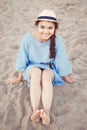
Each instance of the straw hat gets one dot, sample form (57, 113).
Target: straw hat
(47, 15)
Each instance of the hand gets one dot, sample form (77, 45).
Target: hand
(70, 78)
(13, 80)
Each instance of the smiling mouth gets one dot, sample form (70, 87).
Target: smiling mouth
(45, 35)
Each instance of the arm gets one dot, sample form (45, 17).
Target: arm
(20, 74)
(21, 61)
(62, 62)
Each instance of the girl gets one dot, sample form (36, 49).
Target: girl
(43, 62)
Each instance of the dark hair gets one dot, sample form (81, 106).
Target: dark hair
(52, 44)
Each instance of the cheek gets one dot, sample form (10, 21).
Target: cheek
(52, 31)
(40, 30)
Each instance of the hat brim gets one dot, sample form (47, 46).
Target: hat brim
(49, 20)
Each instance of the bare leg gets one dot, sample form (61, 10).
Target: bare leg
(47, 95)
(35, 92)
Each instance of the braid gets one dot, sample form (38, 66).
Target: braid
(52, 49)
(52, 46)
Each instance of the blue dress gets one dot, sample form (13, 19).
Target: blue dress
(33, 53)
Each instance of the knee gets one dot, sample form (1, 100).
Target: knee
(35, 73)
(47, 76)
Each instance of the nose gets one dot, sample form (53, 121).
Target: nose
(46, 31)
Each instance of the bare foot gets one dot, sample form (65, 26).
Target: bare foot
(45, 117)
(35, 116)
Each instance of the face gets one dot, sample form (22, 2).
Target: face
(46, 30)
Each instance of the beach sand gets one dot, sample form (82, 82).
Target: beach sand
(69, 107)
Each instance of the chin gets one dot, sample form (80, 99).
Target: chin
(45, 38)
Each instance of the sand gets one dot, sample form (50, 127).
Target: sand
(69, 107)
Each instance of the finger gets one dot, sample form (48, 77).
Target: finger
(14, 81)
(7, 81)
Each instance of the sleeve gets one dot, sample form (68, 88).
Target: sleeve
(23, 55)
(62, 63)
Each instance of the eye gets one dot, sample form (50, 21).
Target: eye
(50, 27)
(42, 27)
